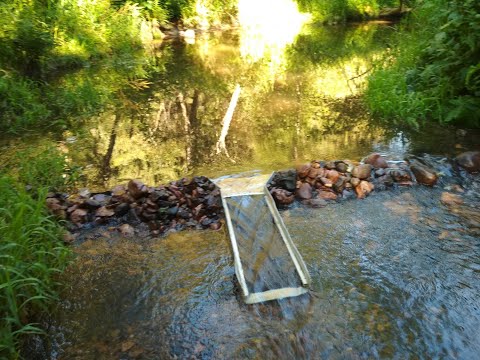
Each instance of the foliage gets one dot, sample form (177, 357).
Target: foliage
(435, 73)
(31, 251)
(43, 167)
(342, 10)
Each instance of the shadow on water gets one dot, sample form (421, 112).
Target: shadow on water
(396, 275)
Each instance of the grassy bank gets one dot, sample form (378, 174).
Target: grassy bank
(433, 71)
(31, 248)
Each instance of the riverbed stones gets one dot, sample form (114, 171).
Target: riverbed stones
(362, 171)
(333, 176)
(196, 204)
(341, 167)
(450, 199)
(400, 175)
(469, 160)
(127, 230)
(376, 160)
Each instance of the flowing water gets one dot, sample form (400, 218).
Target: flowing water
(396, 275)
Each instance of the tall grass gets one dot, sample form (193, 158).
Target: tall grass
(31, 252)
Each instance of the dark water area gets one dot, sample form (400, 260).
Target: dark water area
(396, 275)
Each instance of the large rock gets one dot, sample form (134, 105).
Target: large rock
(304, 192)
(363, 189)
(282, 197)
(303, 170)
(137, 189)
(78, 216)
(333, 176)
(469, 160)
(285, 180)
(400, 175)
(362, 171)
(327, 195)
(376, 160)
(423, 174)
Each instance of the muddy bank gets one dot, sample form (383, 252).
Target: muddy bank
(195, 203)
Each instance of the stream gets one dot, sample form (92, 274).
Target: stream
(396, 275)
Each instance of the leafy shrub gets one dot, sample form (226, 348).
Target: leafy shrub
(436, 71)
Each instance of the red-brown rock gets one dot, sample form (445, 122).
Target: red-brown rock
(362, 171)
(327, 195)
(333, 176)
(450, 199)
(376, 160)
(104, 212)
(304, 192)
(282, 197)
(303, 170)
(363, 189)
(423, 174)
(137, 189)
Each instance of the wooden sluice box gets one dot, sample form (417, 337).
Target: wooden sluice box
(268, 266)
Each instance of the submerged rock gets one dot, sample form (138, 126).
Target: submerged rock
(451, 199)
(126, 230)
(318, 203)
(423, 174)
(469, 160)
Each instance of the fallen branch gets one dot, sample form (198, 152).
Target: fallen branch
(227, 119)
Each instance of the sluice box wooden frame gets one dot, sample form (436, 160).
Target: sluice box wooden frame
(250, 186)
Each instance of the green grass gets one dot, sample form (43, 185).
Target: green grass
(31, 249)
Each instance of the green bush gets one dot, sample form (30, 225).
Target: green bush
(435, 73)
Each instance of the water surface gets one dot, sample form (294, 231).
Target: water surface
(396, 275)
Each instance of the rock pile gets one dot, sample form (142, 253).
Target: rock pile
(182, 204)
(318, 182)
(196, 203)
